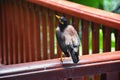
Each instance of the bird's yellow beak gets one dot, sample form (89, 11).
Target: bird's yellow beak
(58, 17)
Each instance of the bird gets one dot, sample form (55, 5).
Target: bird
(68, 39)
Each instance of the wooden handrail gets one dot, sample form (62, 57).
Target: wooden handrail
(54, 69)
(77, 10)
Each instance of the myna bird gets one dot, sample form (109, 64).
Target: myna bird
(67, 38)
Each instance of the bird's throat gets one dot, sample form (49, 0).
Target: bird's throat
(62, 27)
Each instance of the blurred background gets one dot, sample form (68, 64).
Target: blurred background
(108, 5)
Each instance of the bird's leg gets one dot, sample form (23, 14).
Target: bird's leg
(61, 57)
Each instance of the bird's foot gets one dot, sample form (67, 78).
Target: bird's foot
(61, 58)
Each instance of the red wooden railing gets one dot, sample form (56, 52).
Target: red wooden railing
(55, 70)
(27, 29)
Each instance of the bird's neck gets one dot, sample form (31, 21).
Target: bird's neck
(62, 27)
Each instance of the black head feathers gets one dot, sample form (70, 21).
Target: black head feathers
(62, 21)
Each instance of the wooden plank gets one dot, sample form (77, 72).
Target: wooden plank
(16, 33)
(22, 51)
(12, 33)
(117, 40)
(106, 45)
(106, 39)
(36, 23)
(75, 23)
(101, 63)
(21, 33)
(7, 31)
(95, 44)
(95, 38)
(81, 11)
(44, 33)
(22, 30)
(1, 34)
(31, 32)
(113, 76)
(26, 17)
(41, 32)
(117, 47)
(85, 39)
(29, 28)
(51, 17)
(78, 78)
(4, 61)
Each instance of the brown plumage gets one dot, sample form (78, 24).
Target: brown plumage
(68, 39)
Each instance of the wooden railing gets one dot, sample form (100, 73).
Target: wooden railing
(55, 70)
(27, 29)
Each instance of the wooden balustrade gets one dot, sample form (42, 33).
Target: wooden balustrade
(27, 29)
(55, 70)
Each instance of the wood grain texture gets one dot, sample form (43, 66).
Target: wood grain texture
(36, 37)
(0, 33)
(85, 39)
(117, 42)
(106, 39)
(51, 25)
(101, 63)
(95, 44)
(95, 38)
(4, 61)
(44, 33)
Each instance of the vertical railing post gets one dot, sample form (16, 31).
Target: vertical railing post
(0, 33)
(51, 28)
(95, 44)
(36, 30)
(44, 32)
(85, 41)
(117, 42)
(106, 44)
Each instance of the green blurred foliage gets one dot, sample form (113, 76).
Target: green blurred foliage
(92, 3)
(108, 5)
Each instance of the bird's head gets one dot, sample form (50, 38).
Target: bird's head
(62, 21)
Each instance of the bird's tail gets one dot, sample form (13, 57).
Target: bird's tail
(73, 54)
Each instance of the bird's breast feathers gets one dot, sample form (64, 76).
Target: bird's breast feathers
(70, 30)
(71, 36)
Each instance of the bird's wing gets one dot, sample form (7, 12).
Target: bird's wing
(61, 41)
(71, 36)
(72, 41)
